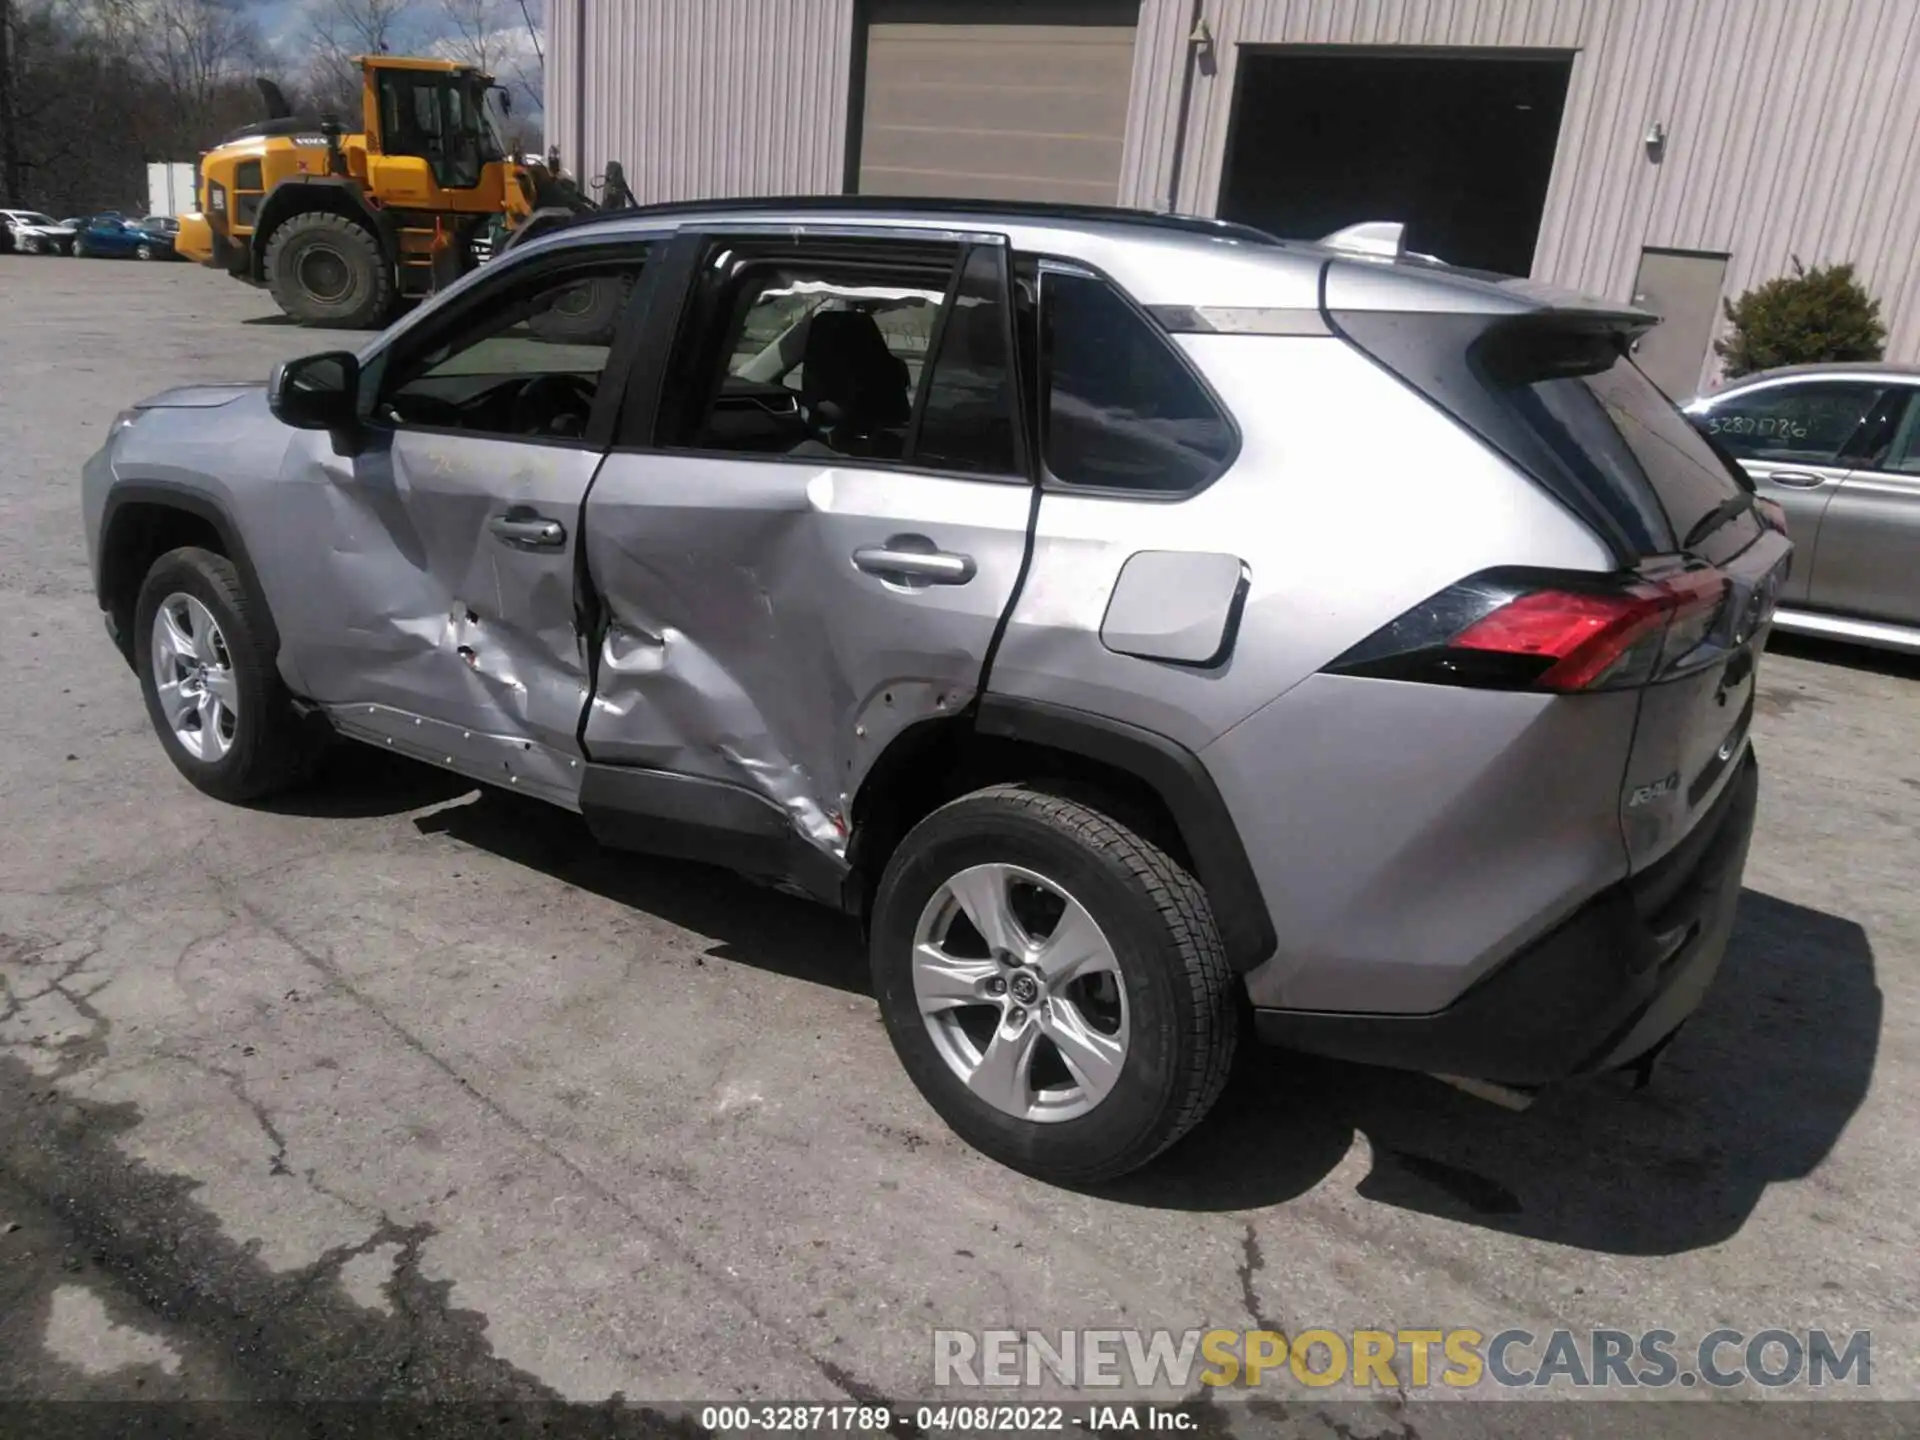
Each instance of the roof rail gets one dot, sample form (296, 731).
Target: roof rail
(929, 205)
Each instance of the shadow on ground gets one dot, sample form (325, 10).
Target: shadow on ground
(357, 782)
(1756, 1090)
(286, 1353)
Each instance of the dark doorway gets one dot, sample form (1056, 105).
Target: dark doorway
(1459, 147)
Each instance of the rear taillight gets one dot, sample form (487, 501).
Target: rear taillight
(1535, 630)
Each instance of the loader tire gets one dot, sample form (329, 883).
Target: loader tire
(328, 270)
(584, 314)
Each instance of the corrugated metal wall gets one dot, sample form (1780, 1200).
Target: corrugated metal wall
(703, 97)
(1793, 125)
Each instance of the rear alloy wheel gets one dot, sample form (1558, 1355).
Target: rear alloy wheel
(1053, 983)
(326, 269)
(80, 251)
(208, 674)
(147, 252)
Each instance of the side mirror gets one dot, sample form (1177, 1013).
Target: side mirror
(316, 392)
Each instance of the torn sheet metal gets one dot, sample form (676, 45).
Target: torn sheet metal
(746, 646)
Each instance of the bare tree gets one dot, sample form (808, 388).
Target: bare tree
(499, 37)
(12, 166)
(339, 31)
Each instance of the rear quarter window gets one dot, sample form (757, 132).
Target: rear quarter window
(1124, 410)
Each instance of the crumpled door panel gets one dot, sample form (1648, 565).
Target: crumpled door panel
(743, 643)
(410, 610)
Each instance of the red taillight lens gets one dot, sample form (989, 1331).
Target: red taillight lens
(1529, 631)
(1584, 636)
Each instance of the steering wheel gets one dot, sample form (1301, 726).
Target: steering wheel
(555, 404)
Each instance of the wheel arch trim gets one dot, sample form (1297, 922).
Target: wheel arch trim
(1178, 777)
(108, 584)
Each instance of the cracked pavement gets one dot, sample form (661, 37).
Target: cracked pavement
(403, 1091)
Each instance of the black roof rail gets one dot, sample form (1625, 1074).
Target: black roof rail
(931, 205)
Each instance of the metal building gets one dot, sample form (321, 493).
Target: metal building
(1671, 151)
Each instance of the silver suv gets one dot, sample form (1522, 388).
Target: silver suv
(1127, 618)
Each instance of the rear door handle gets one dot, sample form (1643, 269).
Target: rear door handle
(526, 529)
(935, 567)
(1797, 479)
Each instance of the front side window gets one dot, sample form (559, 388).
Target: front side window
(1123, 411)
(837, 357)
(525, 362)
(1797, 424)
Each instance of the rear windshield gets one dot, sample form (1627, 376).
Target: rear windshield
(1565, 403)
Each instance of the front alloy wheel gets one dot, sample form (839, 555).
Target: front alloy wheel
(193, 676)
(203, 648)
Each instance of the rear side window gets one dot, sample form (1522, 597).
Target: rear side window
(876, 352)
(1803, 424)
(1123, 410)
(1560, 398)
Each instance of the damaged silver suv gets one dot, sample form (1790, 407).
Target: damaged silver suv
(1147, 628)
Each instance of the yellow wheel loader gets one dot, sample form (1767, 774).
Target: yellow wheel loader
(341, 227)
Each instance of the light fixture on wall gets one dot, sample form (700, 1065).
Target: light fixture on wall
(1201, 39)
(1656, 141)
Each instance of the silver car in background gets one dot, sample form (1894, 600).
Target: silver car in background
(1837, 447)
(1131, 620)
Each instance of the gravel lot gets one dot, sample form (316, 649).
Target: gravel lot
(402, 1089)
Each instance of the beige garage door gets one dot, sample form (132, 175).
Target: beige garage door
(1011, 112)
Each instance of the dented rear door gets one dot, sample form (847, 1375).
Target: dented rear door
(814, 545)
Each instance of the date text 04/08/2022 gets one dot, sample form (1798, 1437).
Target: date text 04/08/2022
(938, 1419)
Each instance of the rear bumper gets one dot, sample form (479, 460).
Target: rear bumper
(1598, 992)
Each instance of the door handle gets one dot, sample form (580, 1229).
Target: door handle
(936, 567)
(526, 529)
(1797, 479)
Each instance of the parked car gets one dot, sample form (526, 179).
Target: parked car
(20, 229)
(1837, 446)
(48, 237)
(1010, 577)
(111, 236)
(163, 226)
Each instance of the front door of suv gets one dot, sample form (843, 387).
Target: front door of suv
(813, 542)
(437, 573)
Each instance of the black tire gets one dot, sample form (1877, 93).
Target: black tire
(1183, 1019)
(273, 747)
(584, 314)
(79, 250)
(146, 252)
(364, 298)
